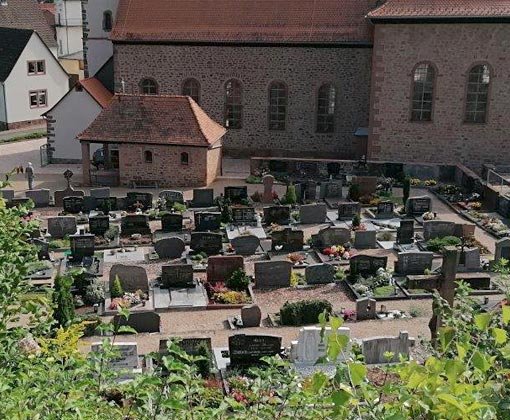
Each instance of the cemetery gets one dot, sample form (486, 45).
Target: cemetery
(263, 269)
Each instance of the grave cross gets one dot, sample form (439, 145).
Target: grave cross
(68, 174)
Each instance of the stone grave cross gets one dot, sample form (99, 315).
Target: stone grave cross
(68, 174)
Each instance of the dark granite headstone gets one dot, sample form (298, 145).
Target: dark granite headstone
(236, 195)
(405, 233)
(171, 222)
(243, 215)
(60, 226)
(220, 269)
(310, 191)
(89, 203)
(138, 197)
(385, 209)
(366, 265)
(82, 246)
(135, 223)
(68, 192)
(205, 221)
(18, 202)
(413, 262)
(418, 205)
(279, 215)
(142, 322)
(320, 274)
(251, 315)
(169, 247)
(245, 244)
(43, 249)
(366, 309)
(73, 205)
(132, 277)
(502, 249)
(272, 274)
(347, 210)
(292, 240)
(365, 239)
(177, 276)
(103, 192)
(40, 197)
(331, 236)
(248, 350)
(98, 225)
(106, 204)
(331, 189)
(208, 242)
(203, 197)
(313, 213)
(437, 229)
(172, 197)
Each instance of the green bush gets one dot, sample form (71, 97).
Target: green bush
(304, 312)
(437, 244)
(356, 221)
(94, 293)
(290, 195)
(116, 290)
(92, 321)
(204, 365)
(179, 208)
(354, 192)
(63, 301)
(238, 281)
(253, 179)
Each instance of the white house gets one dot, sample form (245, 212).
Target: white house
(31, 78)
(72, 115)
(98, 22)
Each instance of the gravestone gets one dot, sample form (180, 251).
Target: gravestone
(385, 209)
(320, 274)
(312, 344)
(7, 195)
(313, 213)
(268, 182)
(106, 204)
(291, 240)
(236, 195)
(98, 225)
(142, 322)
(127, 355)
(171, 222)
(248, 350)
(331, 189)
(375, 349)
(437, 229)
(41, 197)
(68, 192)
(103, 192)
(73, 205)
(243, 215)
(366, 309)
(405, 233)
(89, 203)
(279, 215)
(469, 259)
(272, 274)
(502, 249)
(145, 199)
(310, 191)
(251, 315)
(464, 230)
(43, 249)
(135, 223)
(208, 242)
(347, 209)
(177, 276)
(172, 197)
(203, 197)
(61, 226)
(169, 247)
(413, 262)
(245, 244)
(367, 184)
(18, 202)
(366, 265)
(205, 221)
(82, 246)
(331, 236)
(122, 203)
(220, 268)
(365, 239)
(418, 205)
(132, 277)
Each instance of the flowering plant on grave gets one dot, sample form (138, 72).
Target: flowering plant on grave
(334, 251)
(428, 216)
(296, 257)
(475, 205)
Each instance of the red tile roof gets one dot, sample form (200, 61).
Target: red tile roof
(257, 21)
(416, 9)
(96, 89)
(154, 119)
(48, 7)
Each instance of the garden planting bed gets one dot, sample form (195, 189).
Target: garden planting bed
(213, 304)
(399, 296)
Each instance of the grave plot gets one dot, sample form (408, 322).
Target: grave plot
(40, 273)
(107, 235)
(298, 259)
(135, 230)
(251, 316)
(83, 256)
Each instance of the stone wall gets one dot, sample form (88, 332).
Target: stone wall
(166, 167)
(302, 69)
(453, 50)
(213, 164)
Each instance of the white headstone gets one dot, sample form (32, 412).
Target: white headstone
(310, 346)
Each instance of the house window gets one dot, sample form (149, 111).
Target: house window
(184, 158)
(191, 88)
(107, 21)
(38, 98)
(477, 94)
(148, 87)
(36, 67)
(233, 104)
(277, 106)
(326, 104)
(147, 156)
(423, 91)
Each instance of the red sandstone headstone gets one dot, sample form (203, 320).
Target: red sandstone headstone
(268, 182)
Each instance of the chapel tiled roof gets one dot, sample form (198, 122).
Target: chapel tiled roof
(26, 14)
(426, 9)
(12, 44)
(243, 21)
(153, 119)
(97, 90)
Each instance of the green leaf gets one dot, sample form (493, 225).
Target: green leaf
(126, 329)
(319, 379)
(482, 321)
(461, 351)
(499, 335)
(358, 373)
(506, 314)
(124, 312)
(452, 400)
(322, 319)
(336, 323)
(340, 398)
(446, 335)
(453, 369)
(480, 362)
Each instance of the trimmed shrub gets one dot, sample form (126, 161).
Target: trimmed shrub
(116, 290)
(290, 195)
(304, 312)
(354, 192)
(437, 244)
(204, 366)
(238, 281)
(94, 293)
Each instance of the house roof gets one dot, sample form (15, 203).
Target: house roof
(154, 119)
(426, 9)
(243, 21)
(26, 14)
(12, 44)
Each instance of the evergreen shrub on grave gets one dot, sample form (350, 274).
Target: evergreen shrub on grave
(304, 312)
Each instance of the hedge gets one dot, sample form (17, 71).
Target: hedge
(304, 312)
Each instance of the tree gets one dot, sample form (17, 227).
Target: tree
(406, 188)
(63, 312)
(116, 290)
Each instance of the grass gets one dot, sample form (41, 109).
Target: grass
(31, 136)
(384, 291)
